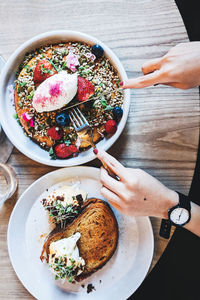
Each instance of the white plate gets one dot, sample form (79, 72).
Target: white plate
(28, 224)
(14, 131)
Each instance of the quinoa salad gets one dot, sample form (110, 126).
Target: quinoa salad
(53, 78)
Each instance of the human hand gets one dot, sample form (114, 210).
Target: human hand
(180, 68)
(136, 193)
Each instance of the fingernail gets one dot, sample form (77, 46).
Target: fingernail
(95, 150)
(121, 83)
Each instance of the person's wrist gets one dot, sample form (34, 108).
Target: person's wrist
(171, 200)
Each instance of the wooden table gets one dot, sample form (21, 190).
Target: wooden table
(161, 134)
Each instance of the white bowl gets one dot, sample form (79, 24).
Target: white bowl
(15, 132)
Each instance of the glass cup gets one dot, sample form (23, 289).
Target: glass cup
(8, 177)
(8, 182)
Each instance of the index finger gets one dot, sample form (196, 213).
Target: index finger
(143, 81)
(115, 166)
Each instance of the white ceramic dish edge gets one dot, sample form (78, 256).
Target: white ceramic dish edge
(11, 66)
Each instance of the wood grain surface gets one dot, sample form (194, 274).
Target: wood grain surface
(161, 134)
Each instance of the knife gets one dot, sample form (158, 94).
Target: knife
(91, 99)
(77, 104)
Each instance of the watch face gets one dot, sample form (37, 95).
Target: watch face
(179, 216)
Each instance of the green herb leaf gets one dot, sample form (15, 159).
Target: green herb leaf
(52, 153)
(64, 66)
(20, 104)
(108, 107)
(30, 96)
(103, 102)
(28, 68)
(50, 60)
(67, 142)
(22, 84)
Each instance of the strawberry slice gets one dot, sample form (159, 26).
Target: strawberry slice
(55, 132)
(43, 70)
(85, 89)
(64, 151)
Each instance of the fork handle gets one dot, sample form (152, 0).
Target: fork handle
(110, 172)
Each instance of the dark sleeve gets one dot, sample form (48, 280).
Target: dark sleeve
(189, 10)
(194, 193)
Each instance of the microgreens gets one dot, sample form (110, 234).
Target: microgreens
(62, 271)
(52, 153)
(28, 68)
(45, 70)
(108, 107)
(62, 214)
(50, 60)
(103, 102)
(30, 96)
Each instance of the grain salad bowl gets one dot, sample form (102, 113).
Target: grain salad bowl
(15, 132)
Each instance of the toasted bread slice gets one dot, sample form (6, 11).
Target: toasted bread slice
(99, 236)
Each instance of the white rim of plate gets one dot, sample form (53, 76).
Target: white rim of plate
(43, 39)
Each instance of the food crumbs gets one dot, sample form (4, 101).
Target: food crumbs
(43, 235)
(90, 288)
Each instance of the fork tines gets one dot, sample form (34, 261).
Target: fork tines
(78, 120)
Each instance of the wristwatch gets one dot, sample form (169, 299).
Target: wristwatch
(178, 215)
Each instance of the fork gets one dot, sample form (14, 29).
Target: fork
(80, 123)
(78, 120)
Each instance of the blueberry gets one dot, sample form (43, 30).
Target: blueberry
(117, 113)
(63, 119)
(97, 50)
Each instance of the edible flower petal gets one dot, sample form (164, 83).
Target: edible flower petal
(72, 61)
(90, 56)
(31, 123)
(26, 117)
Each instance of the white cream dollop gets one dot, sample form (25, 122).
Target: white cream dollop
(66, 248)
(55, 92)
(67, 193)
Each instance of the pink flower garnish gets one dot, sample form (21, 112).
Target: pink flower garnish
(54, 89)
(91, 56)
(29, 119)
(31, 123)
(72, 61)
(26, 117)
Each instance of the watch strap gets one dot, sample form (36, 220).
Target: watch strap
(166, 224)
(184, 201)
(165, 228)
